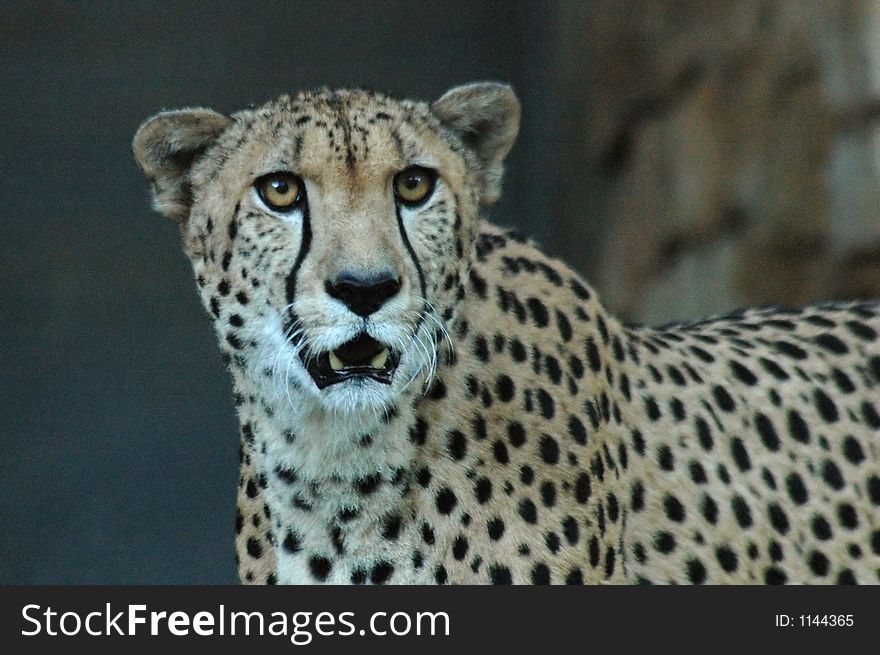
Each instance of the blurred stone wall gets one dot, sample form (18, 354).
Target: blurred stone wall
(720, 154)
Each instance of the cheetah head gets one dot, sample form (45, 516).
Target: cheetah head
(330, 232)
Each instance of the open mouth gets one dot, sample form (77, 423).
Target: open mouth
(362, 357)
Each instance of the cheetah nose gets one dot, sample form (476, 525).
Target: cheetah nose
(363, 295)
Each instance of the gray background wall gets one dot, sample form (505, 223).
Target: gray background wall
(118, 439)
(117, 436)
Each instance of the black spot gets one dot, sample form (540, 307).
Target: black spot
(594, 551)
(874, 365)
(790, 350)
(593, 356)
(518, 350)
(549, 449)
(778, 518)
(819, 563)
(418, 433)
(678, 410)
(427, 534)
(483, 490)
(538, 311)
(459, 547)
(540, 574)
(381, 573)
(767, 432)
(437, 391)
(665, 459)
(320, 567)
(366, 486)
(499, 450)
(440, 575)
(504, 387)
(579, 290)
(526, 474)
(698, 474)
(723, 399)
(821, 528)
(846, 513)
(861, 330)
(545, 401)
(552, 542)
(456, 445)
(570, 530)
(664, 542)
(846, 577)
(774, 575)
(696, 572)
(674, 509)
(827, 408)
(446, 501)
(874, 489)
(832, 475)
(582, 488)
(796, 489)
(740, 456)
(704, 433)
(499, 574)
(548, 494)
(638, 442)
(481, 348)
(852, 450)
(797, 427)
(574, 577)
(563, 325)
(741, 512)
(742, 374)
(842, 381)
(423, 477)
(528, 511)
(652, 408)
(554, 371)
(391, 529)
(832, 344)
(495, 528)
(773, 368)
(609, 562)
(254, 548)
(726, 558)
(637, 498)
(709, 509)
(292, 543)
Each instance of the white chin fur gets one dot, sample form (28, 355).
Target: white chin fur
(291, 386)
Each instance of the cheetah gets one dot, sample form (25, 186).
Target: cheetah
(426, 398)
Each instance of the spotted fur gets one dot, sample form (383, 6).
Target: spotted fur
(528, 436)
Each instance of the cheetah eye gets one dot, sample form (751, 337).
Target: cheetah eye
(280, 191)
(414, 185)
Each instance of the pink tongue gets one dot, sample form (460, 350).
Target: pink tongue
(360, 351)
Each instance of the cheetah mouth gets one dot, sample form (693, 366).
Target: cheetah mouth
(362, 357)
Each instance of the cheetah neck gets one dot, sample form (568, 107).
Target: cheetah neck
(336, 490)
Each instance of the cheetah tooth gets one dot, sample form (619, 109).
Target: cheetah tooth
(336, 363)
(380, 360)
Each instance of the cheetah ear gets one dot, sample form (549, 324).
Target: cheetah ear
(165, 148)
(485, 116)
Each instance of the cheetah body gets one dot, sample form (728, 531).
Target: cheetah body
(527, 436)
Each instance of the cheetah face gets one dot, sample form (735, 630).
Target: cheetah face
(330, 233)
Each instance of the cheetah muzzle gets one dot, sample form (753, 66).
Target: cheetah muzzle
(426, 398)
